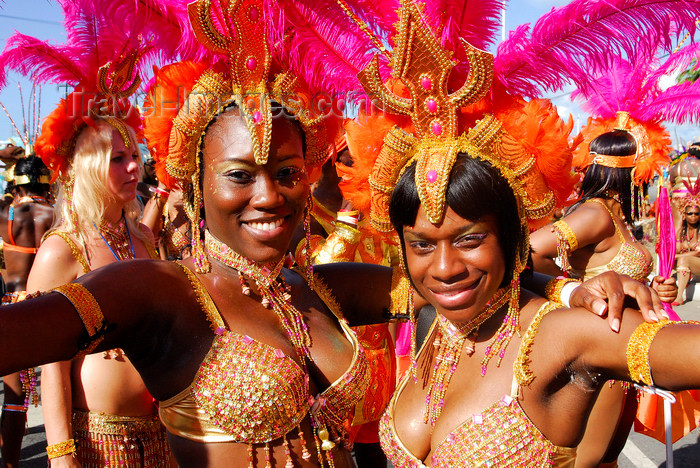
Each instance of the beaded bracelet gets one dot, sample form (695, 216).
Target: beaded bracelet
(90, 313)
(638, 349)
(555, 285)
(566, 243)
(62, 448)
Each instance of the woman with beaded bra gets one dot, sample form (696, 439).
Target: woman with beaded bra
(688, 239)
(26, 219)
(452, 185)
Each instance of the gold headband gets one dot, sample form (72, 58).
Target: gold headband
(614, 161)
(24, 179)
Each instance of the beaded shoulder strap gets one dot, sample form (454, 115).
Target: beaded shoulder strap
(75, 250)
(216, 323)
(521, 370)
(612, 217)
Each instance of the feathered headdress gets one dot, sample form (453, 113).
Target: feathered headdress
(692, 198)
(248, 73)
(101, 60)
(629, 95)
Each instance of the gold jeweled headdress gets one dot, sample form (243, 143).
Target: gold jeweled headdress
(236, 30)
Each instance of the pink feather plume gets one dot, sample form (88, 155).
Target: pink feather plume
(326, 48)
(585, 35)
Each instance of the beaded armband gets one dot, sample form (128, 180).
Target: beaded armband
(62, 448)
(566, 243)
(554, 286)
(339, 246)
(90, 313)
(638, 349)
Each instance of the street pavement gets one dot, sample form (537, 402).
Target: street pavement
(639, 452)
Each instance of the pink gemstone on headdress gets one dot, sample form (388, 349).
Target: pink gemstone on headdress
(431, 176)
(251, 63)
(426, 83)
(432, 105)
(279, 353)
(436, 127)
(254, 13)
(257, 117)
(219, 331)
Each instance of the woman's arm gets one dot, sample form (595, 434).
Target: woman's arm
(589, 224)
(667, 351)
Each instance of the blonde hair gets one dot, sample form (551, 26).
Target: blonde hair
(83, 203)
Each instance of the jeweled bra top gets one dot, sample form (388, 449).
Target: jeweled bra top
(501, 436)
(248, 391)
(629, 260)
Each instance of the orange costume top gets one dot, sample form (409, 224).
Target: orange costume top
(501, 435)
(248, 391)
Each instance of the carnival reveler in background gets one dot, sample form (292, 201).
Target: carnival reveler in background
(25, 218)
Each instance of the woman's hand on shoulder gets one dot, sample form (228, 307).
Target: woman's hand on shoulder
(614, 288)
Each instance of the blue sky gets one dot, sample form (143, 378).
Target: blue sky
(42, 19)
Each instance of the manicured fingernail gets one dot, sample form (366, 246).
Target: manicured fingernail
(616, 325)
(653, 316)
(599, 309)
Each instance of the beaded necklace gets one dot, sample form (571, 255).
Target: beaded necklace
(274, 291)
(117, 238)
(450, 341)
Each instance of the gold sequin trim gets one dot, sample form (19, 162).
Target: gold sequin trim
(89, 311)
(521, 369)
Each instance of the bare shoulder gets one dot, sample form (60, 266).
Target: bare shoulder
(56, 263)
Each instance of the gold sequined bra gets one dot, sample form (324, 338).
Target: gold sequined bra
(250, 392)
(502, 435)
(629, 260)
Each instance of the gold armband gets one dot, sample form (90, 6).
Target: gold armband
(90, 313)
(62, 448)
(566, 243)
(554, 286)
(638, 349)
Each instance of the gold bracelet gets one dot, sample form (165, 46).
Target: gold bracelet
(638, 349)
(62, 448)
(90, 313)
(568, 235)
(554, 286)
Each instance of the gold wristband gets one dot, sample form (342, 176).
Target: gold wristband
(638, 349)
(62, 448)
(554, 286)
(90, 313)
